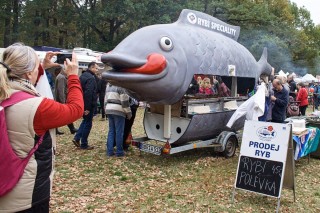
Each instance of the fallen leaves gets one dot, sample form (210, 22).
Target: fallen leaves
(194, 181)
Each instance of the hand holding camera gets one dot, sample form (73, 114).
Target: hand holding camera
(47, 61)
(71, 66)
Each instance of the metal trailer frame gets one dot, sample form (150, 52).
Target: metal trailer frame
(220, 144)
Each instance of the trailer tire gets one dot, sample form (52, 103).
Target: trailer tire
(230, 147)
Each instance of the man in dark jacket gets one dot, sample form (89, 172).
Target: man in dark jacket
(89, 88)
(280, 100)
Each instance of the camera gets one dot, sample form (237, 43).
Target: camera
(63, 56)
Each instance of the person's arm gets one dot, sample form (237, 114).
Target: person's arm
(105, 98)
(51, 114)
(305, 94)
(283, 99)
(299, 95)
(124, 98)
(47, 62)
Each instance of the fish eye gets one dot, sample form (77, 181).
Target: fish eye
(166, 43)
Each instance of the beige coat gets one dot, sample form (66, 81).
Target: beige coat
(21, 133)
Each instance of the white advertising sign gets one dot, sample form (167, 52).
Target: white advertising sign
(265, 140)
(263, 157)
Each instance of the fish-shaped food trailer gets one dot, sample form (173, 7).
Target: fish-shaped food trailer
(160, 64)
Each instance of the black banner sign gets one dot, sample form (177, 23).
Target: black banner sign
(259, 175)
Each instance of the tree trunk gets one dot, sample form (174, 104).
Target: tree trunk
(7, 26)
(15, 26)
(45, 32)
(36, 32)
(62, 35)
(111, 32)
(206, 6)
(91, 25)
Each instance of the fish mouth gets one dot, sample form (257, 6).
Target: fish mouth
(130, 68)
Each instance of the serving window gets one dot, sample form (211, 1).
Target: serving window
(215, 86)
(210, 94)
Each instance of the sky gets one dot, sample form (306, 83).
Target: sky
(313, 6)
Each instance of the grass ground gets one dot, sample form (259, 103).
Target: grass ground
(192, 181)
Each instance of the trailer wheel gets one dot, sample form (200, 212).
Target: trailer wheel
(230, 148)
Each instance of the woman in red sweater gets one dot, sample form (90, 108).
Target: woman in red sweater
(303, 98)
(31, 120)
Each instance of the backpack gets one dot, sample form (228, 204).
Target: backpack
(11, 166)
(293, 108)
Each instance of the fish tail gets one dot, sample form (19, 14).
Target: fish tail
(264, 67)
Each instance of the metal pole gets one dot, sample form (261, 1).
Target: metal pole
(233, 192)
(278, 206)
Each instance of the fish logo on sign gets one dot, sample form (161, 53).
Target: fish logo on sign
(192, 18)
(266, 133)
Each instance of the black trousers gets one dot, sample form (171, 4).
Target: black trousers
(303, 110)
(71, 126)
(128, 124)
(101, 100)
(42, 207)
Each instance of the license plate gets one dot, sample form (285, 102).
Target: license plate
(150, 148)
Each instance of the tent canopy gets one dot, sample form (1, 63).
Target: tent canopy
(297, 80)
(281, 73)
(309, 78)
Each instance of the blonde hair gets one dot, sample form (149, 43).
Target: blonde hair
(20, 59)
(4, 83)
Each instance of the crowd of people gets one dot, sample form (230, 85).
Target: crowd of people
(281, 92)
(202, 84)
(99, 97)
(287, 98)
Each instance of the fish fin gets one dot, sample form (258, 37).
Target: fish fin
(264, 67)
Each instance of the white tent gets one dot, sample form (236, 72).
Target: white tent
(309, 78)
(293, 74)
(297, 80)
(281, 73)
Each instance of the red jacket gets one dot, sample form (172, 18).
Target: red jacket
(52, 114)
(303, 97)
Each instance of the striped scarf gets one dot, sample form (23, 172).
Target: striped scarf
(21, 84)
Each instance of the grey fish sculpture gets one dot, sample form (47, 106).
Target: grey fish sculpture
(156, 63)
